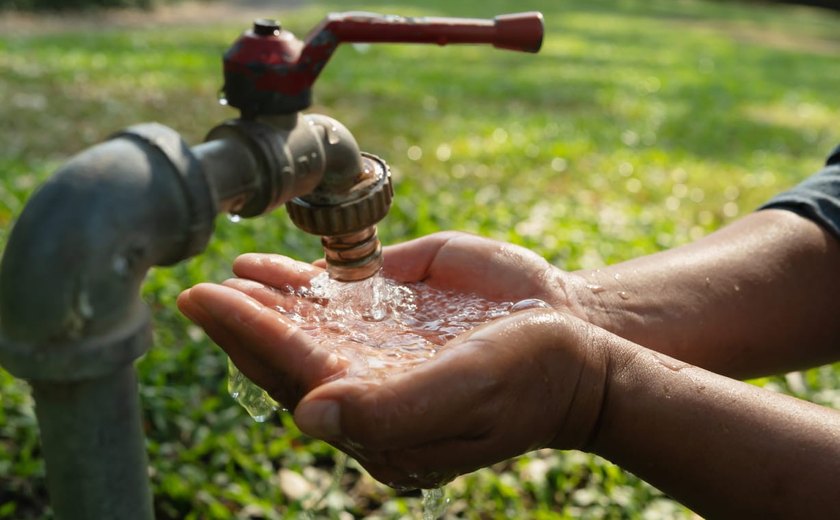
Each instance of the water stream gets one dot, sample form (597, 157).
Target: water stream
(382, 328)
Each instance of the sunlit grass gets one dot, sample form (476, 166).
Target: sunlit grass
(641, 125)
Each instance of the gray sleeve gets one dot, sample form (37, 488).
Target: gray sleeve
(816, 198)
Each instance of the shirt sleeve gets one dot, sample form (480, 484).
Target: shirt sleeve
(816, 198)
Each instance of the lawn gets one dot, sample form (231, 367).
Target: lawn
(641, 125)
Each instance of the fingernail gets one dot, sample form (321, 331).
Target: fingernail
(319, 419)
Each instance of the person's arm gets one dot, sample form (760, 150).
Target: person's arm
(724, 448)
(533, 379)
(759, 296)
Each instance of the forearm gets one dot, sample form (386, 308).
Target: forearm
(756, 297)
(724, 448)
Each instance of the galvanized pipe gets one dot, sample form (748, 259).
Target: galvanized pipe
(71, 319)
(104, 475)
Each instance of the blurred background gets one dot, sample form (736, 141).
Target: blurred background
(641, 125)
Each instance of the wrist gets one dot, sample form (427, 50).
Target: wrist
(593, 297)
(622, 377)
(586, 390)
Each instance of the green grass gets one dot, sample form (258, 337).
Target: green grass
(641, 125)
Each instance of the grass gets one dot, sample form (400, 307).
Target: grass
(641, 125)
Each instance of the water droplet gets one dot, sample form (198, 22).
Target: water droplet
(332, 135)
(623, 295)
(234, 218)
(595, 288)
(530, 303)
(222, 98)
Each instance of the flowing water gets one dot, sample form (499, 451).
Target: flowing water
(382, 328)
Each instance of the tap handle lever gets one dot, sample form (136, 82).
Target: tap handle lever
(269, 71)
(518, 32)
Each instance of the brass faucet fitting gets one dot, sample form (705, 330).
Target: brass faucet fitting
(347, 221)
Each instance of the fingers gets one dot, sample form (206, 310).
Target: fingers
(264, 344)
(275, 270)
(270, 296)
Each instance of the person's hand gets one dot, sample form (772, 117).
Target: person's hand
(529, 380)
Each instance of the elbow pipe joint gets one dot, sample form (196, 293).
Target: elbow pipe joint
(71, 273)
(354, 195)
(355, 192)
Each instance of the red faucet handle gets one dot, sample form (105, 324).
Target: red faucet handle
(269, 71)
(519, 31)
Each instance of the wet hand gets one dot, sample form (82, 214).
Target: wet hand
(458, 412)
(530, 380)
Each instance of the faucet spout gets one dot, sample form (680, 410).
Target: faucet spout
(354, 194)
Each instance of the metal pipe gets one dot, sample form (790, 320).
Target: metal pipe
(99, 413)
(71, 320)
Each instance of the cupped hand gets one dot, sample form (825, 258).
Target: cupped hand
(530, 380)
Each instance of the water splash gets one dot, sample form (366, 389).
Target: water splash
(383, 328)
(380, 326)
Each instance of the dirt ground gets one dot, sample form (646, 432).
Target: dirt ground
(183, 12)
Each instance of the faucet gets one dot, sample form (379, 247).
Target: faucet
(71, 318)
(336, 191)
